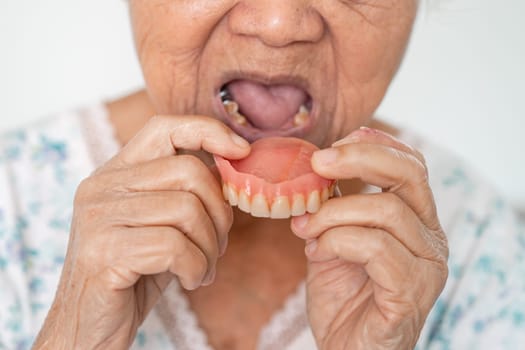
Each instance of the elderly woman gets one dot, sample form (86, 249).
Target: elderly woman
(158, 259)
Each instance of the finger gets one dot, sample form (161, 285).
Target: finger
(388, 263)
(145, 251)
(163, 135)
(375, 136)
(181, 210)
(385, 211)
(382, 166)
(180, 173)
(152, 288)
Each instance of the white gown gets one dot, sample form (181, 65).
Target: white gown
(482, 306)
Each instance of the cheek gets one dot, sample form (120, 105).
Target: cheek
(169, 44)
(369, 53)
(170, 80)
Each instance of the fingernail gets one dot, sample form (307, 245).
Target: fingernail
(326, 156)
(311, 246)
(368, 130)
(346, 140)
(239, 141)
(299, 222)
(210, 278)
(223, 246)
(373, 132)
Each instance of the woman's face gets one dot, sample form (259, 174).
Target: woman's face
(315, 69)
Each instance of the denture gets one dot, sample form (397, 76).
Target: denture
(276, 180)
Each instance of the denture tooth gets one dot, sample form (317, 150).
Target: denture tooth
(232, 196)
(244, 202)
(301, 116)
(280, 208)
(314, 202)
(325, 195)
(298, 205)
(225, 191)
(259, 207)
(231, 107)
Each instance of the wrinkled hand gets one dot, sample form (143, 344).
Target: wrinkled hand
(376, 262)
(146, 216)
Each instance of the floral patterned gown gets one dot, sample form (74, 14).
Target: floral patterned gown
(482, 306)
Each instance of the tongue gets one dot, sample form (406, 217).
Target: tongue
(267, 107)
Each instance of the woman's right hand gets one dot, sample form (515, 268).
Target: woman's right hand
(144, 217)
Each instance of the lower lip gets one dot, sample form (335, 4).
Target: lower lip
(252, 134)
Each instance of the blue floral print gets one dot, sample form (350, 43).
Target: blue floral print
(481, 307)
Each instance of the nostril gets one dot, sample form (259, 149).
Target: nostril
(277, 23)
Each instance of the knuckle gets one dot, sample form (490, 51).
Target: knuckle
(380, 244)
(202, 266)
(439, 244)
(445, 248)
(177, 170)
(392, 209)
(199, 267)
(200, 127)
(195, 178)
(421, 158)
(154, 125)
(331, 241)
(157, 121)
(419, 172)
(193, 166)
(209, 122)
(176, 245)
(188, 207)
(85, 190)
(93, 186)
(172, 242)
(192, 216)
(184, 253)
(92, 208)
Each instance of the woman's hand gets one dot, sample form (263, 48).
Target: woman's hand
(377, 262)
(144, 217)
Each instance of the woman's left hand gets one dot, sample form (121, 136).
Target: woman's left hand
(376, 262)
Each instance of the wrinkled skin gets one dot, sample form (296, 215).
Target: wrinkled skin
(347, 51)
(376, 263)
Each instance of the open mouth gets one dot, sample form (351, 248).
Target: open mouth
(255, 110)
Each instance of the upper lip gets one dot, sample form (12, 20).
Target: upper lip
(266, 79)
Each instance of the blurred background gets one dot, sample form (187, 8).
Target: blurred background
(461, 83)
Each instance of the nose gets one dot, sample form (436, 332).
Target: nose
(277, 23)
